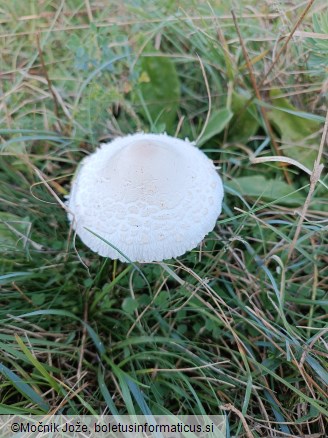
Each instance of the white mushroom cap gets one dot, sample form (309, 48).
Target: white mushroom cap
(151, 196)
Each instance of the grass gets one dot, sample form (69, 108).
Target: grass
(239, 324)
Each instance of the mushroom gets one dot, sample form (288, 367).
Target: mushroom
(145, 198)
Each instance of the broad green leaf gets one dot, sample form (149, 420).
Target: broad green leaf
(129, 305)
(217, 122)
(159, 91)
(162, 299)
(258, 186)
(244, 123)
(294, 131)
(38, 299)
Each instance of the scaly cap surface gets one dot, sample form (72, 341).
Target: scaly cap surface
(151, 196)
